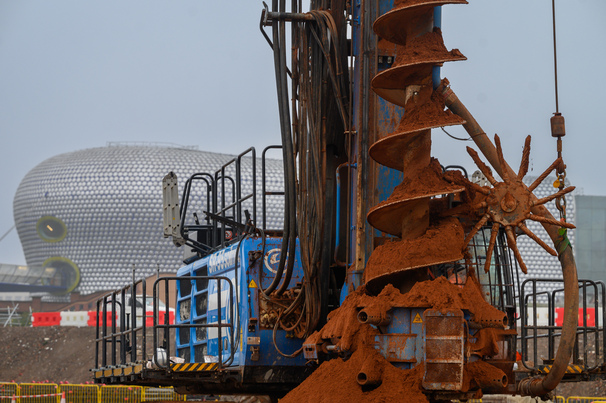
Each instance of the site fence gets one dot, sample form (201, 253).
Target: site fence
(81, 393)
(557, 399)
(579, 399)
(74, 393)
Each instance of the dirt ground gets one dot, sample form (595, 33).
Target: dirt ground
(46, 353)
(589, 389)
(57, 354)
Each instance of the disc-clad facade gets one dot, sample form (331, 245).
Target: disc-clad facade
(88, 217)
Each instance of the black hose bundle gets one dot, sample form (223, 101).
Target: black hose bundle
(320, 99)
(323, 118)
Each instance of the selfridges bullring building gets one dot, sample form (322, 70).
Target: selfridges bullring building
(86, 218)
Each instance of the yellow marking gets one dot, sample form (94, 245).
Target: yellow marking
(117, 371)
(571, 369)
(574, 369)
(252, 284)
(417, 319)
(194, 367)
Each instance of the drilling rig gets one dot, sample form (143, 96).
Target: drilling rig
(381, 244)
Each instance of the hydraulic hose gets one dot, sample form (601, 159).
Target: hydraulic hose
(539, 386)
(288, 149)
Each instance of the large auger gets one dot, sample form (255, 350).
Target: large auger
(406, 213)
(409, 213)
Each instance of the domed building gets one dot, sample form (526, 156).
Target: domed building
(86, 218)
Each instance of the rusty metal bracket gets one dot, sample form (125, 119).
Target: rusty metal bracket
(268, 17)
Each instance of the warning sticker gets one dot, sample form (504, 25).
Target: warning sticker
(252, 284)
(417, 319)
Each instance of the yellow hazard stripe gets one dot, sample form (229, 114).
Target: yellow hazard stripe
(211, 366)
(571, 369)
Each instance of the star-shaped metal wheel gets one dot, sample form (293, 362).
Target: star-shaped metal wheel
(509, 203)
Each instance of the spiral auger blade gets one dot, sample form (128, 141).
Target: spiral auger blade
(406, 213)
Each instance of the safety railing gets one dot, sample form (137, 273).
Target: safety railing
(201, 237)
(585, 399)
(123, 343)
(8, 390)
(235, 208)
(264, 192)
(75, 393)
(539, 341)
(508, 399)
(39, 393)
(161, 394)
(116, 393)
(84, 393)
(226, 204)
(162, 329)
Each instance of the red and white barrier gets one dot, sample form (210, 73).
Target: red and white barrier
(590, 316)
(89, 318)
(46, 319)
(62, 394)
(74, 318)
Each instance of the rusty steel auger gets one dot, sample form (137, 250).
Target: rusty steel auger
(408, 83)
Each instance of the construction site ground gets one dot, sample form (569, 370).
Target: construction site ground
(58, 354)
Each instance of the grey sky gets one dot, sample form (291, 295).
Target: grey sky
(77, 74)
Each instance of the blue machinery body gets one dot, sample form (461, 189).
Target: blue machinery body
(240, 308)
(248, 296)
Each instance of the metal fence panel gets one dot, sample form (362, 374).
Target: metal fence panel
(7, 391)
(39, 393)
(512, 399)
(80, 393)
(585, 399)
(121, 394)
(155, 394)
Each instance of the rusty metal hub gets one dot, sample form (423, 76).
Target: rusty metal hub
(509, 203)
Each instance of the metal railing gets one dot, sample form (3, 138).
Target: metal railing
(126, 341)
(264, 191)
(207, 237)
(225, 201)
(539, 341)
(166, 327)
(84, 393)
(238, 199)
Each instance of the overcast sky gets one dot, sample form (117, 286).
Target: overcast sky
(78, 74)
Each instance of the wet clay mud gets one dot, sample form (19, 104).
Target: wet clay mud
(336, 380)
